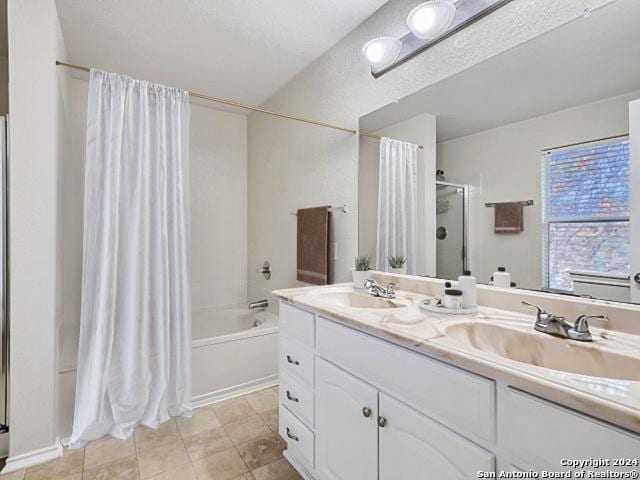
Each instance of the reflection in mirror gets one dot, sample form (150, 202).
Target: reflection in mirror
(524, 165)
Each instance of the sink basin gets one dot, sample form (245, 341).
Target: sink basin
(357, 300)
(545, 351)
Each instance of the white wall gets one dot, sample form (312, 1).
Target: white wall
(504, 164)
(293, 165)
(35, 142)
(420, 130)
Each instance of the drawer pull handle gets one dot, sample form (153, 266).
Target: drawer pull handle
(292, 361)
(292, 436)
(366, 411)
(382, 422)
(291, 397)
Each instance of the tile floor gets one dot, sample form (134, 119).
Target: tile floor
(233, 440)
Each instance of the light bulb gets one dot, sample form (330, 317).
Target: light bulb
(432, 18)
(381, 51)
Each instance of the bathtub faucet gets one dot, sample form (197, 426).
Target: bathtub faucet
(259, 305)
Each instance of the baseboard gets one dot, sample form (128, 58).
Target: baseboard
(304, 473)
(35, 457)
(235, 391)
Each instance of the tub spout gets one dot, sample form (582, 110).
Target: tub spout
(259, 305)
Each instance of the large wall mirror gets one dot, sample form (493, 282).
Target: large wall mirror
(523, 161)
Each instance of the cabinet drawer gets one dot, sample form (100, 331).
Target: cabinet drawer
(297, 324)
(296, 360)
(297, 398)
(554, 433)
(452, 396)
(300, 439)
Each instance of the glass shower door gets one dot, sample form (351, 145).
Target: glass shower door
(451, 212)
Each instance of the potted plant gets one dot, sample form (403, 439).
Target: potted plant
(397, 264)
(361, 271)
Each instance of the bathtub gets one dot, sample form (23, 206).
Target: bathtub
(234, 351)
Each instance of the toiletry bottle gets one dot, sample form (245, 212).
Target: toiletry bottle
(452, 298)
(467, 284)
(502, 278)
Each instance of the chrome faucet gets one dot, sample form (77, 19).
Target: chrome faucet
(259, 305)
(379, 291)
(558, 327)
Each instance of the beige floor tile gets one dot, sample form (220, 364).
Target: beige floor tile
(106, 450)
(226, 465)
(19, 475)
(148, 438)
(203, 419)
(124, 469)
(278, 470)
(263, 400)
(160, 459)
(261, 451)
(184, 472)
(232, 410)
(207, 443)
(248, 428)
(246, 476)
(69, 464)
(271, 419)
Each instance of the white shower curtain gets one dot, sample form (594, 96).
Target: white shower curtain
(397, 204)
(134, 362)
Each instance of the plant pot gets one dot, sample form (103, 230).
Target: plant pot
(359, 277)
(399, 271)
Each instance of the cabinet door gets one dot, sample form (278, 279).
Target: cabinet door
(413, 446)
(346, 425)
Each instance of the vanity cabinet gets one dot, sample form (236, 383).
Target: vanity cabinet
(347, 427)
(357, 407)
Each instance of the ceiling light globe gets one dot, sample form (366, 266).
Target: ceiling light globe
(432, 18)
(381, 51)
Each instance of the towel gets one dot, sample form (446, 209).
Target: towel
(508, 217)
(313, 245)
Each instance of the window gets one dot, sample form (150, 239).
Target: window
(586, 211)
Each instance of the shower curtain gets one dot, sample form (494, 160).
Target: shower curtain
(397, 204)
(134, 361)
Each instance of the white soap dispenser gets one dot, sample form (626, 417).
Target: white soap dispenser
(467, 284)
(502, 278)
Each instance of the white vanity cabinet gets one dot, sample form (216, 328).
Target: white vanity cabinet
(357, 407)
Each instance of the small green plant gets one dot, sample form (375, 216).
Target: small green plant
(363, 263)
(397, 261)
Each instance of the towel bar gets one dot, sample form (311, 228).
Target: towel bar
(524, 203)
(342, 208)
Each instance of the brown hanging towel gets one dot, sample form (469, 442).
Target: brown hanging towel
(508, 217)
(314, 226)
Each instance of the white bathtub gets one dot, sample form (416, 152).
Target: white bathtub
(230, 357)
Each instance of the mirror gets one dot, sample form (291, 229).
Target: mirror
(522, 162)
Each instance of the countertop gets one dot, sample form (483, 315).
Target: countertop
(615, 400)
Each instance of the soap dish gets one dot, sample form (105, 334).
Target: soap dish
(429, 306)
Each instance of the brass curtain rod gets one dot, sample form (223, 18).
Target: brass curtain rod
(249, 107)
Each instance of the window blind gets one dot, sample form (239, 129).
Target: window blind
(586, 214)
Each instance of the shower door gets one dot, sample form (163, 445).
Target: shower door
(4, 306)
(451, 229)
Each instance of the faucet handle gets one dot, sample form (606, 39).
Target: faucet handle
(582, 322)
(541, 311)
(369, 283)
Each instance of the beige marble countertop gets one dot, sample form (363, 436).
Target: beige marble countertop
(616, 400)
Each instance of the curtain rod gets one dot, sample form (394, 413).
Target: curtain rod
(235, 104)
(249, 107)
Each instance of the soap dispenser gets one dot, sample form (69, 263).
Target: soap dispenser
(467, 285)
(502, 278)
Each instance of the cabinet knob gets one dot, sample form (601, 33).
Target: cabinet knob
(292, 361)
(382, 422)
(636, 277)
(292, 436)
(291, 397)
(366, 411)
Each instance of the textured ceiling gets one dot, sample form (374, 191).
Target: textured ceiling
(583, 61)
(239, 49)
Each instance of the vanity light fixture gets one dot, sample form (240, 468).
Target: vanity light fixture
(431, 19)
(429, 23)
(382, 51)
